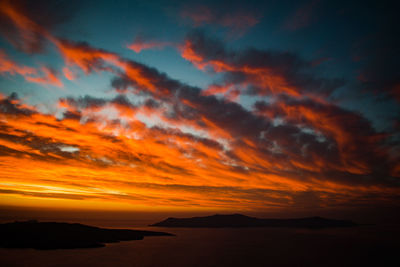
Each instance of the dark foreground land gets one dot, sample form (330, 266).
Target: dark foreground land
(365, 245)
(55, 235)
(239, 220)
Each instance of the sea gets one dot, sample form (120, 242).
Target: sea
(365, 245)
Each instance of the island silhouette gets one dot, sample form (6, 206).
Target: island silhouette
(57, 235)
(239, 220)
(60, 235)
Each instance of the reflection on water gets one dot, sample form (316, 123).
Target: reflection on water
(359, 246)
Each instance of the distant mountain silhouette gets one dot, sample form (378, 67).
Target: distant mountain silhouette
(239, 220)
(56, 235)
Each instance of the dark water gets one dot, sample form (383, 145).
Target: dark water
(376, 245)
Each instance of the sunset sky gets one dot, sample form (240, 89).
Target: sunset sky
(200, 105)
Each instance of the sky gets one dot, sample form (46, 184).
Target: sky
(199, 105)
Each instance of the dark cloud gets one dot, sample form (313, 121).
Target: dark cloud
(233, 15)
(84, 102)
(10, 105)
(84, 56)
(40, 148)
(303, 16)
(349, 139)
(260, 72)
(121, 83)
(72, 115)
(27, 24)
(380, 58)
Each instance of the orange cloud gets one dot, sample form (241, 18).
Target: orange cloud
(230, 91)
(29, 35)
(140, 44)
(69, 74)
(91, 59)
(215, 89)
(104, 161)
(85, 57)
(254, 71)
(11, 67)
(262, 77)
(49, 78)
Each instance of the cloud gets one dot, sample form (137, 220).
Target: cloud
(210, 114)
(85, 57)
(159, 137)
(12, 106)
(140, 44)
(27, 35)
(254, 71)
(28, 25)
(45, 195)
(236, 18)
(69, 74)
(361, 150)
(9, 66)
(302, 17)
(89, 104)
(49, 77)
(379, 72)
(263, 164)
(204, 112)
